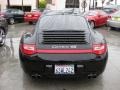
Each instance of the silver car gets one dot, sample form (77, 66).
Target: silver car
(114, 22)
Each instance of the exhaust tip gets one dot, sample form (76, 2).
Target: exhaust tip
(92, 75)
(36, 76)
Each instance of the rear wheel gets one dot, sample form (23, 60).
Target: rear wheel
(30, 23)
(112, 28)
(11, 21)
(2, 37)
(92, 24)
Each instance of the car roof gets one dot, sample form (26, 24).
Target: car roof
(112, 6)
(62, 12)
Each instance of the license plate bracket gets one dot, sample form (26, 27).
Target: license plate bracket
(64, 69)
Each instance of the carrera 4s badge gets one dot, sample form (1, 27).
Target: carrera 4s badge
(61, 46)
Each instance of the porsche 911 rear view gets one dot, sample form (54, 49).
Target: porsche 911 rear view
(63, 44)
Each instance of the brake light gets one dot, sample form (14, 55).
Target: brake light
(28, 49)
(2, 15)
(99, 49)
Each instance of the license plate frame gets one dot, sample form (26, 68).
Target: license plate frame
(64, 70)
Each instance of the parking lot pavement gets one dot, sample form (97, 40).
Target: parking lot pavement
(13, 78)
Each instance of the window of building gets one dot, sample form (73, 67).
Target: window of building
(72, 4)
(49, 1)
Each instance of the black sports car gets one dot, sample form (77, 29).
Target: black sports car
(13, 15)
(63, 44)
(3, 30)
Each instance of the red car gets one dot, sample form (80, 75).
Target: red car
(97, 17)
(32, 17)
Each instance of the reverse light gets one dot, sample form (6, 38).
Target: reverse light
(99, 49)
(28, 49)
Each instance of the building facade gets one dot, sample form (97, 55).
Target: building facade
(27, 4)
(61, 4)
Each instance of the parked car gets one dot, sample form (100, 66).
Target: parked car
(3, 30)
(33, 16)
(97, 17)
(110, 9)
(63, 45)
(13, 15)
(114, 22)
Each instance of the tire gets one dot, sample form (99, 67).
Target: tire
(112, 28)
(2, 37)
(11, 21)
(30, 23)
(92, 24)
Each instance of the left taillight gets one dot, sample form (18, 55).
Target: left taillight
(99, 49)
(28, 49)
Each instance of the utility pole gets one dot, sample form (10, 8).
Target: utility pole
(8, 3)
(93, 4)
(115, 2)
(103, 1)
(96, 3)
(22, 6)
(90, 5)
(37, 3)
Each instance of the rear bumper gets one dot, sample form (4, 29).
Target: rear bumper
(112, 23)
(33, 19)
(46, 68)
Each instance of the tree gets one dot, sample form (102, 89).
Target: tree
(42, 3)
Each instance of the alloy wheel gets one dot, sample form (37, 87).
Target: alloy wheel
(2, 37)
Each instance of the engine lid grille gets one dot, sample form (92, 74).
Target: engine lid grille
(64, 37)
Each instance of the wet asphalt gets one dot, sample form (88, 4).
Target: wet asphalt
(13, 78)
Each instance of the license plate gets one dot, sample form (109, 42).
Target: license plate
(64, 69)
(29, 15)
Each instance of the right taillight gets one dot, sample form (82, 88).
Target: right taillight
(28, 49)
(99, 49)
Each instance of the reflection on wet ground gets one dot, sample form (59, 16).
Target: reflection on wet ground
(13, 78)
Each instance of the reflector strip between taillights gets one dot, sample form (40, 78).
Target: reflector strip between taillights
(65, 51)
(98, 49)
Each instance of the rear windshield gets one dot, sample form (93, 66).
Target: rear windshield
(63, 22)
